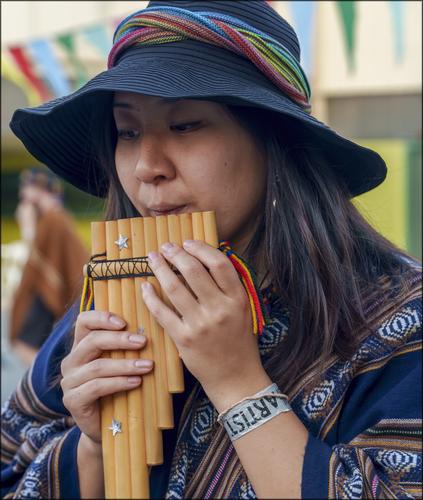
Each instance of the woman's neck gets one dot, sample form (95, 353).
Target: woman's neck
(256, 263)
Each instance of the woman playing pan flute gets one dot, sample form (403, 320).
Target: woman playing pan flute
(204, 106)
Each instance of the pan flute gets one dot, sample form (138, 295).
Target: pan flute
(132, 421)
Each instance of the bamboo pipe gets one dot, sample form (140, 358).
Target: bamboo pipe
(153, 435)
(175, 236)
(120, 410)
(175, 374)
(139, 470)
(98, 246)
(210, 229)
(164, 399)
(186, 226)
(197, 226)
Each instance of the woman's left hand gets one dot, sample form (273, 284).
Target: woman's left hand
(213, 330)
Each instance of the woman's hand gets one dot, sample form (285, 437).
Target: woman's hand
(87, 376)
(212, 325)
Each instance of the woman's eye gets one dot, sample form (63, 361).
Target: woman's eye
(185, 127)
(127, 134)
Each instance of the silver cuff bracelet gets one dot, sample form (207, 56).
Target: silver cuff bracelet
(253, 411)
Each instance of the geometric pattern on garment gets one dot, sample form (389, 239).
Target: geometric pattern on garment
(398, 461)
(246, 491)
(318, 398)
(272, 335)
(177, 491)
(353, 486)
(348, 475)
(203, 421)
(400, 326)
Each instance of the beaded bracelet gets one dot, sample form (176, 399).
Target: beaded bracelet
(253, 411)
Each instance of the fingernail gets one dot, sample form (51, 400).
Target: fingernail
(117, 321)
(143, 363)
(146, 286)
(153, 256)
(189, 243)
(139, 339)
(167, 247)
(134, 380)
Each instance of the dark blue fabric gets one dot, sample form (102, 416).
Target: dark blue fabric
(391, 393)
(68, 472)
(315, 468)
(47, 363)
(396, 389)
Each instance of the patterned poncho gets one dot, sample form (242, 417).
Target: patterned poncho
(363, 416)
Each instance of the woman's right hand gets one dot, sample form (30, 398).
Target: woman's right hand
(87, 376)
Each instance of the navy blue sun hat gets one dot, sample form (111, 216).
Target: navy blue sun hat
(236, 52)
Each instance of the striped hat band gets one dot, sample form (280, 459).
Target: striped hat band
(160, 25)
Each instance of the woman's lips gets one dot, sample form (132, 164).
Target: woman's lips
(166, 210)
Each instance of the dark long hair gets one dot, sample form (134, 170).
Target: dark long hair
(319, 252)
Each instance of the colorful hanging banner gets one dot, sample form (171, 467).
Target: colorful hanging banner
(397, 16)
(348, 13)
(99, 38)
(67, 41)
(25, 65)
(386, 207)
(10, 71)
(304, 13)
(44, 56)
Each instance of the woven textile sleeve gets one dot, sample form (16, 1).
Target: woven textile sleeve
(38, 437)
(369, 444)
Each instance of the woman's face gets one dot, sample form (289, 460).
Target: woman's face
(175, 156)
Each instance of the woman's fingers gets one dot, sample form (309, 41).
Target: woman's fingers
(106, 367)
(85, 395)
(193, 271)
(206, 270)
(95, 343)
(96, 320)
(217, 263)
(166, 318)
(170, 283)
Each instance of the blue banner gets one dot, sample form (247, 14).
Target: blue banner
(98, 37)
(304, 14)
(52, 71)
(397, 15)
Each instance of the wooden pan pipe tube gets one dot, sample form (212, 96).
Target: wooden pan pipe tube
(131, 421)
(98, 247)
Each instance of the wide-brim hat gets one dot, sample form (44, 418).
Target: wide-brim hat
(58, 133)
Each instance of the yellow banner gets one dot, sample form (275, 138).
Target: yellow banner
(386, 207)
(11, 72)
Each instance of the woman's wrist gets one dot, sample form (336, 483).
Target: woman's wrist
(90, 468)
(231, 392)
(87, 445)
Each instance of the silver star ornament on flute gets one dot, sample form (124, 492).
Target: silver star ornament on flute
(122, 242)
(115, 427)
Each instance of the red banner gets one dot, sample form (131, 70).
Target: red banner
(25, 66)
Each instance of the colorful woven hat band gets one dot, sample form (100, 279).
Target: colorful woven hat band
(160, 25)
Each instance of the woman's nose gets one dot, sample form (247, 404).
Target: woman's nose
(153, 162)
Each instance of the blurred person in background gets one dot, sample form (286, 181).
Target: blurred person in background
(51, 278)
